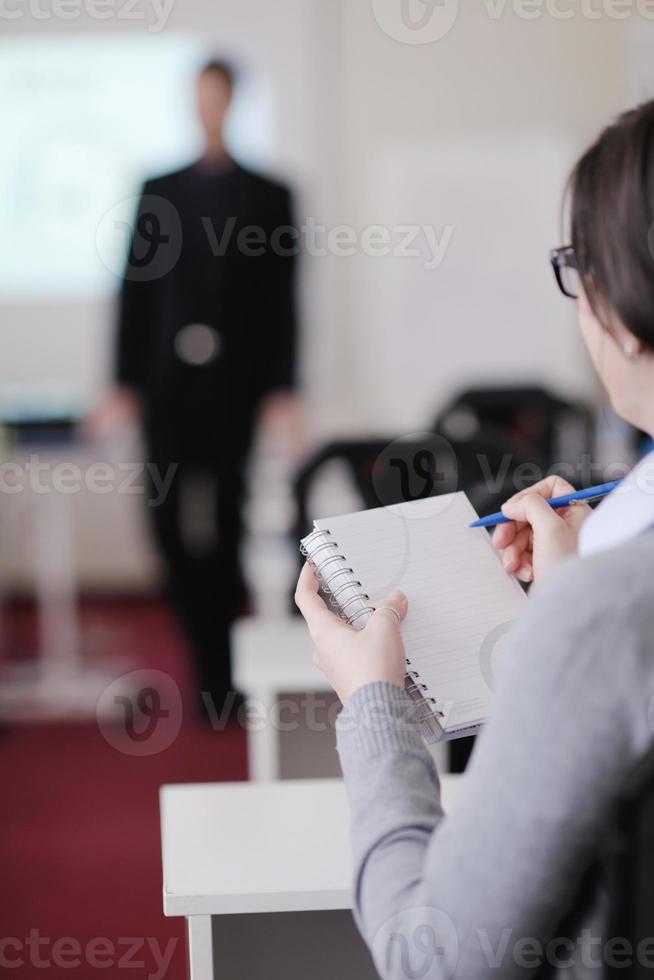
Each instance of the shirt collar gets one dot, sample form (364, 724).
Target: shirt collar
(624, 513)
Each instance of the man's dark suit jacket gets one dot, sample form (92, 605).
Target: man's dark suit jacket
(215, 248)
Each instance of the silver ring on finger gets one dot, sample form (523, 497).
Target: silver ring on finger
(393, 610)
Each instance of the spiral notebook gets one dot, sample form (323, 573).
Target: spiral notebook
(462, 602)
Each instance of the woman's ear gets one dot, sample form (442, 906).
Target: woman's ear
(631, 346)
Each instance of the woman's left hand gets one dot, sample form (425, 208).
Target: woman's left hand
(350, 658)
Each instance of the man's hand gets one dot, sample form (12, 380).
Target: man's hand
(118, 409)
(282, 421)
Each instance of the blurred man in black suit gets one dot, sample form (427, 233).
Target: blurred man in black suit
(206, 344)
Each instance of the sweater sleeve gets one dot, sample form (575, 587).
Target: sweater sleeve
(480, 891)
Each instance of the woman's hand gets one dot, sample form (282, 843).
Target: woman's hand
(347, 657)
(538, 537)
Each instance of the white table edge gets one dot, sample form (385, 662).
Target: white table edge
(186, 905)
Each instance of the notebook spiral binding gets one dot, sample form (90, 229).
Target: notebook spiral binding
(338, 584)
(344, 594)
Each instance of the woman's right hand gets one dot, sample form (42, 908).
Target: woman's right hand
(537, 537)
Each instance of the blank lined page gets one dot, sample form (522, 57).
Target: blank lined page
(461, 601)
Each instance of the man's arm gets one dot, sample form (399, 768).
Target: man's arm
(278, 300)
(121, 405)
(281, 411)
(134, 314)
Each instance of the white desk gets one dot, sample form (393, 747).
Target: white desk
(233, 853)
(272, 657)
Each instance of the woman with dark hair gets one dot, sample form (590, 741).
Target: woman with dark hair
(511, 881)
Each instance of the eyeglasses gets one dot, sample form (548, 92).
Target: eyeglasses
(564, 263)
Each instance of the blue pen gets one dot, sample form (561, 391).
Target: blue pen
(591, 493)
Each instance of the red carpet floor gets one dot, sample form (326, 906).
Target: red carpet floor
(79, 823)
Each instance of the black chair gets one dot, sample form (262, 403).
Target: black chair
(546, 429)
(382, 471)
(623, 871)
(631, 865)
(390, 471)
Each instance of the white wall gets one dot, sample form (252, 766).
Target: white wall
(484, 125)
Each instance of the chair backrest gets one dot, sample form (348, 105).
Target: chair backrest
(384, 471)
(537, 424)
(391, 471)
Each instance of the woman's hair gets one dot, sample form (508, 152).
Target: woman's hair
(612, 222)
